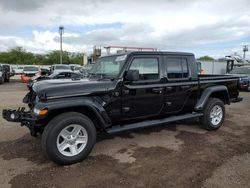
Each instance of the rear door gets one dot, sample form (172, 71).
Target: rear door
(180, 88)
(144, 98)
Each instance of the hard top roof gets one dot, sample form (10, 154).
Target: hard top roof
(151, 53)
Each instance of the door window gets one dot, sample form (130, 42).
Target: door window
(148, 68)
(177, 68)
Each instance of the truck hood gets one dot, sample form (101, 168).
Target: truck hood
(62, 88)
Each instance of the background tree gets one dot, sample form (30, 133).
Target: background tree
(17, 56)
(20, 56)
(206, 58)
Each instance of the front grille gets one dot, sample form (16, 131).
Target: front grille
(30, 99)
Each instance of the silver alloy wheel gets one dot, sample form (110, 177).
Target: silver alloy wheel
(72, 140)
(216, 115)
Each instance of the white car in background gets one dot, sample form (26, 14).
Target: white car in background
(57, 68)
(30, 70)
(18, 69)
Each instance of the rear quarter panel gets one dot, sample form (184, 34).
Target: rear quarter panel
(231, 82)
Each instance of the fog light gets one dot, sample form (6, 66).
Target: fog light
(12, 116)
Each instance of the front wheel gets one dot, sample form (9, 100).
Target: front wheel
(213, 114)
(68, 138)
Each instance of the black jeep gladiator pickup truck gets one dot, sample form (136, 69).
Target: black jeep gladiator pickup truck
(122, 92)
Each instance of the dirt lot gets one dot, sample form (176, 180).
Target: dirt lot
(176, 155)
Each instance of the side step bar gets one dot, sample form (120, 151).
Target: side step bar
(150, 123)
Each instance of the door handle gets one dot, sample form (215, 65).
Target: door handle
(169, 88)
(157, 90)
(185, 87)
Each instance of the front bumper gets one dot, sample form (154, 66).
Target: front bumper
(19, 115)
(25, 118)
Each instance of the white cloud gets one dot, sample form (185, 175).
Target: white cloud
(164, 24)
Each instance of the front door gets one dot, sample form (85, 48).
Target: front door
(143, 98)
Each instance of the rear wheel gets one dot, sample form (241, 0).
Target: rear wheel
(214, 114)
(68, 138)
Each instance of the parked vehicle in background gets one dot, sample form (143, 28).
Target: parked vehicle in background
(72, 66)
(46, 67)
(18, 70)
(6, 72)
(77, 69)
(12, 71)
(29, 71)
(1, 74)
(56, 75)
(14, 67)
(85, 70)
(244, 73)
(44, 71)
(60, 68)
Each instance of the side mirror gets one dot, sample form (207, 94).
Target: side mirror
(132, 75)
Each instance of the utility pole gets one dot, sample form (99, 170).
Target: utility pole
(61, 30)
(245, 49)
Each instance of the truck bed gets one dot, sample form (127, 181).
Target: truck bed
(230, 81)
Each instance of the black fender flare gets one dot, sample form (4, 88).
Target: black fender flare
(88, 103)
(208, 92)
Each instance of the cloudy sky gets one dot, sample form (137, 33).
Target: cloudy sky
(214, 27)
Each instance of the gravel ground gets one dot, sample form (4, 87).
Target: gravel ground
(176, 155)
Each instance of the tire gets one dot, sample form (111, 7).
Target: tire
(210, 120)
(1, 80)
(66, 123)
(7, 79)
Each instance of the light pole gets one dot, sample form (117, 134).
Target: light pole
(61, 29)
(245, 49)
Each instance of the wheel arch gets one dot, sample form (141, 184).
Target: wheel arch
(89, 108)
(220, 92)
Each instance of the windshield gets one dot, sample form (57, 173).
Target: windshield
(30, 69)
(242, 70)
(108, 66)
(53, 75)
(78, 68)
(61, 67)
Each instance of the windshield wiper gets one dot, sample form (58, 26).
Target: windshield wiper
(90, 75)
(101, 76)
